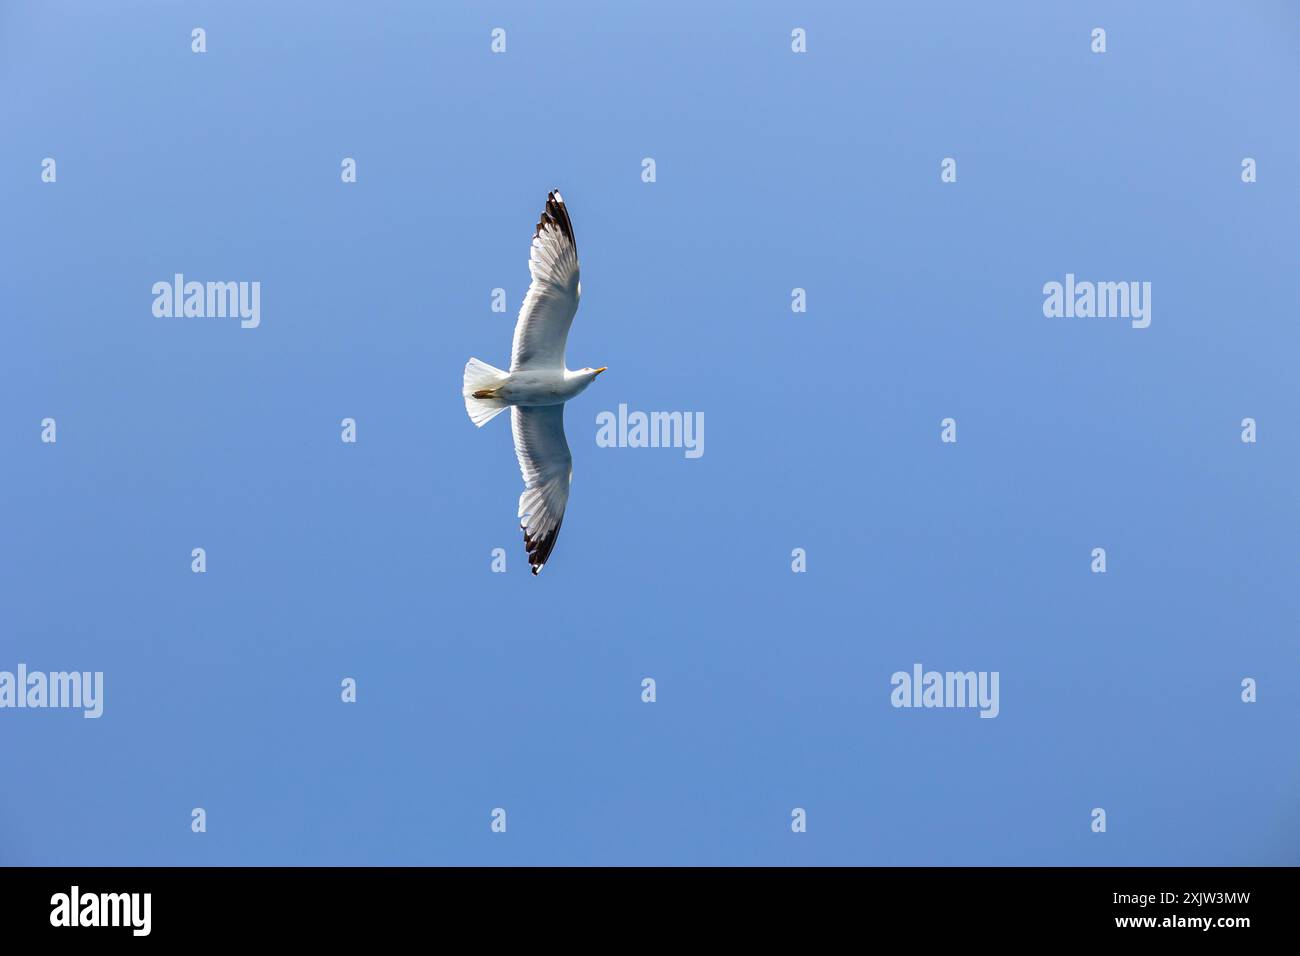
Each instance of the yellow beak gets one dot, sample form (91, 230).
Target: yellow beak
(601, 369)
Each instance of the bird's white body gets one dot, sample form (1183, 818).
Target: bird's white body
(538, 383)
(530, 387)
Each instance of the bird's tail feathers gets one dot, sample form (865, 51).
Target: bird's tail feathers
(481, 382)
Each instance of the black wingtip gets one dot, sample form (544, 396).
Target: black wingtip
(558, 214)
(539, 547)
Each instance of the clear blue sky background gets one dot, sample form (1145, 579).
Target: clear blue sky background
(479, 690)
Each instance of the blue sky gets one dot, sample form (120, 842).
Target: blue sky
(774, 171)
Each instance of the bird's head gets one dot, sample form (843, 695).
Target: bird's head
(591, 373)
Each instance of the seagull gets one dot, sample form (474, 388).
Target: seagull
(538, 383)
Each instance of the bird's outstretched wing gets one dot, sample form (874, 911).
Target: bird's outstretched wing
(552, 299)
(547, 468)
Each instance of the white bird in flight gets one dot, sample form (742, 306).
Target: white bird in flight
(538, 384)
